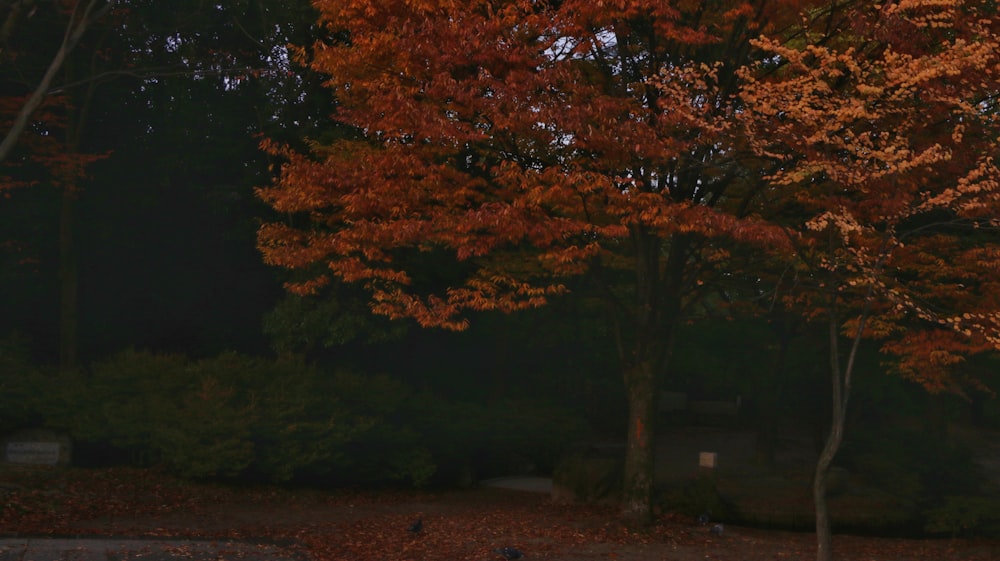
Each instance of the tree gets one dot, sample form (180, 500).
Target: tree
(532, 142)
(150, 84)
(888, 187)
(53, 117)
(82, 16)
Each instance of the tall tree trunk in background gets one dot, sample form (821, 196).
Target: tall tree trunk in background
(69, 278)
(766, 395)
(68, 281)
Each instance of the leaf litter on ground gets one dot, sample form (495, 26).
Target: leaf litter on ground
(372, 525)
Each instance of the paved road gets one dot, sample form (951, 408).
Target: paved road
(110, 549)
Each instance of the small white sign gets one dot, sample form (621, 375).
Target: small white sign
(707, 459)
(46, 453)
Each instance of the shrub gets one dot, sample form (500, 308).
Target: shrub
(916, 466)
(238, 416)
(128, 401)
(386, 447)
(282, 409)
(699, 495)
(963, 516)
(223, 416)
(581, 478)
(419, 436)
(21, 386)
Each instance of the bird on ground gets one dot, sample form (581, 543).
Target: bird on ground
(509, 553)
(416, 526)
(704, 518)
(717, 530)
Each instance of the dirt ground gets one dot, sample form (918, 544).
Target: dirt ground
(458, 525)
(469, 525)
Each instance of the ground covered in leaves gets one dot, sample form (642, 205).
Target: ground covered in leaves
(373, 525)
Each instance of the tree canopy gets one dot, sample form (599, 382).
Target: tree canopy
(531, 142)
(642, 144)
(886, 141)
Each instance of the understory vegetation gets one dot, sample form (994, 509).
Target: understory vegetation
(239, 418)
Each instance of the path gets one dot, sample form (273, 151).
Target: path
(111, 549)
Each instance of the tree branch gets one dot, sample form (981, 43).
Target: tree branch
(75, 30)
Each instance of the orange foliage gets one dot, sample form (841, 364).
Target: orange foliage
(529, 140)
(533, 141)
(41, 154)
(886, 146)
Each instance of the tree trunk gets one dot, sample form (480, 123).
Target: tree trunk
(839, 390)
(658, 304)
(68, 281)
(69, 277)
(637, 492)
(767, 391)
(824, 531)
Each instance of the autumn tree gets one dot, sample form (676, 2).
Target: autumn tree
(532, 142)
(887, 184)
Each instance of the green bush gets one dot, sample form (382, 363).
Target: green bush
(386, 446)
(590, 479)
(699, 495)
(223, 416)
(127, 401)
(21, 385)
(239, 416)
(420, 436)
(934, 478)
(963, 516)
(914, 465)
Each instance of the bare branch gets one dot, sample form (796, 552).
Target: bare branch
(79, 23)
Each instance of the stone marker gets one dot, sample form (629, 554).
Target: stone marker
(46, 453)
(36, 447)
